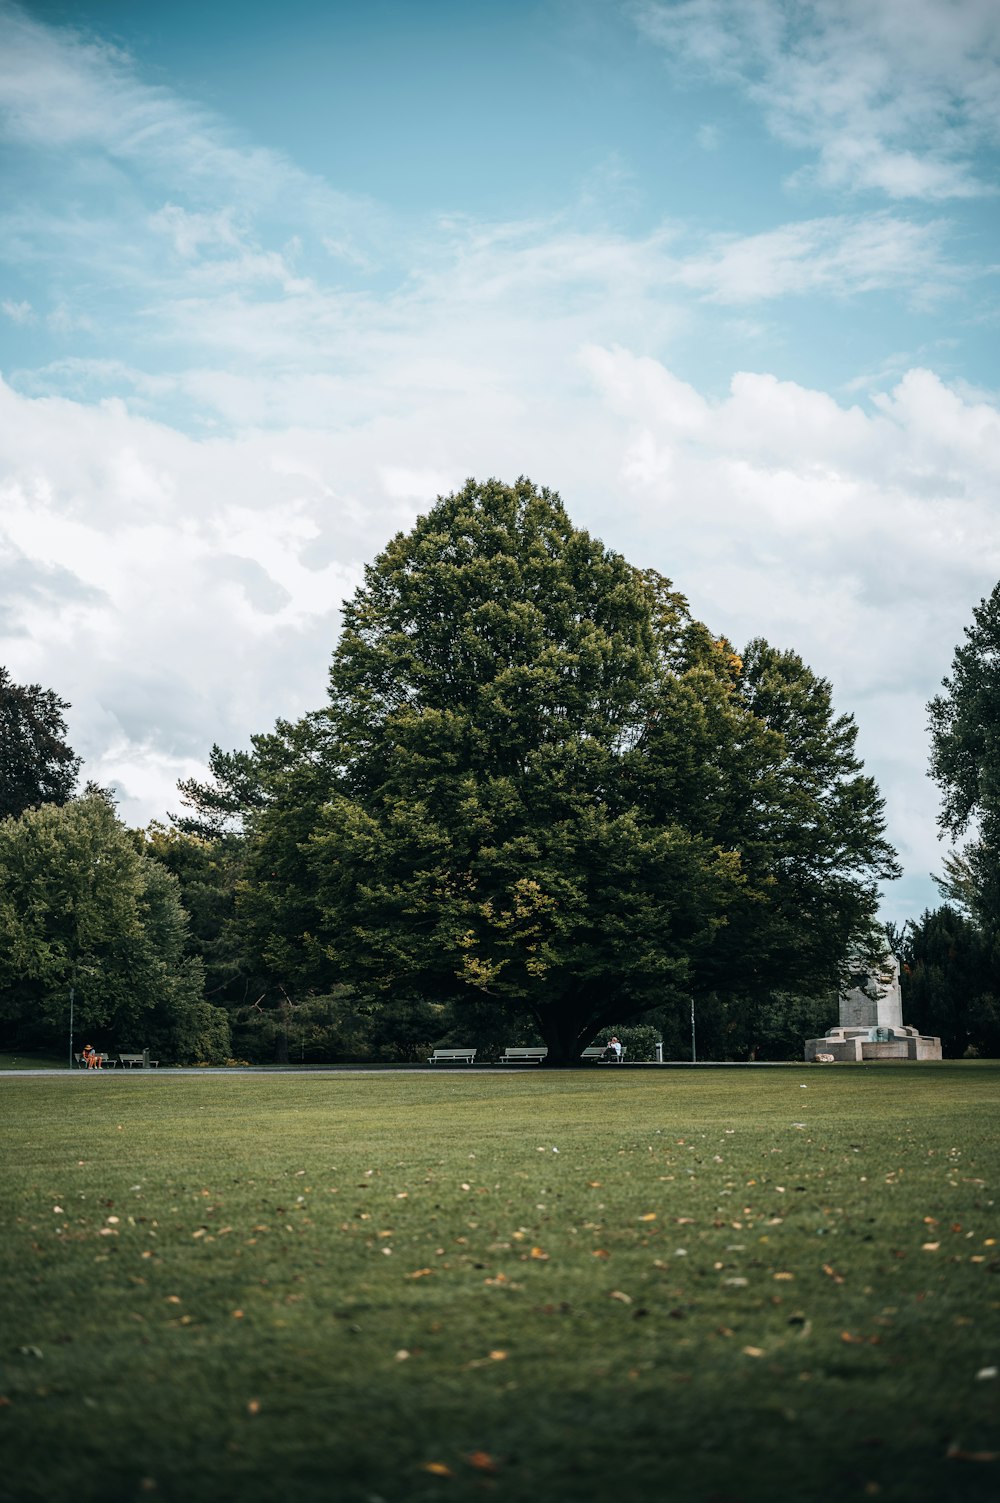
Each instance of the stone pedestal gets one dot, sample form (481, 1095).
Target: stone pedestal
(871, 1022)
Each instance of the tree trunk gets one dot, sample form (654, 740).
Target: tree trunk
(281, 1037)
(564, 1039)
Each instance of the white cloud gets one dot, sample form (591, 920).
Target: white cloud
(182, 591)
(191, 232)
(860, 536)
(62, 319)
(896, 96)
(259, 288)
(842, 256)
(417, 485)
(18, 313)
(83, 99)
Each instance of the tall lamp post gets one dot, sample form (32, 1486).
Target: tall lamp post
(88, 970)
(694, 1048)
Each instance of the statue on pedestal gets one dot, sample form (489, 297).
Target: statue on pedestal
(871, 1021)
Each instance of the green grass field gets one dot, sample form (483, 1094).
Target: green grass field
(34, 1061)
(724, 1285)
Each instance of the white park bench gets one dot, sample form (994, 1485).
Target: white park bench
(599, 1052)
(453, 1057)
(137, 1061)
(532, 1056)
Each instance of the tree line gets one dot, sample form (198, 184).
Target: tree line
(541, 800)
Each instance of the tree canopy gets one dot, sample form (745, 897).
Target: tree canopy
(952, 982)
(540, 786)
(965, 762)
(36, 764)
(952, 955)
(82, 906)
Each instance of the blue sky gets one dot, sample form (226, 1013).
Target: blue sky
(722, 272)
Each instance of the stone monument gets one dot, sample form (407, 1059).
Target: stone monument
(871, 1022)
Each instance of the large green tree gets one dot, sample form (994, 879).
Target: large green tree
(809, 825)
(36, 764)
(540, 783)
(952, 954)
(965, 763)
(952, 982)
(82, 907)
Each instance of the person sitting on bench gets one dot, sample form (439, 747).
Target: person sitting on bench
(613, 1050)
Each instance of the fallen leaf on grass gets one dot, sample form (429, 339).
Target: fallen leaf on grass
(253, 1406)
(929, 1246)
(600, 1252)
(753, 1351)
(784, 1275)
(649, 1216)
(539, 1254)
(482, 1461)
(831, 1273)
(497, 1355)
(618, 1294)
(420, 1273)
(438, 1469)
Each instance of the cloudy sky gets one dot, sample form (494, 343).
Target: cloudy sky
(724, 273)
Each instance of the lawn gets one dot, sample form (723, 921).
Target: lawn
(34, 1061)
(707, 1285)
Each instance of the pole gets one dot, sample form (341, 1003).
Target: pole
(71, 991)
(694, 1050)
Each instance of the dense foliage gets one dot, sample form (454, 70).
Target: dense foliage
(541, 802)
(952, 982)
(543, 798)
(36, 764)
(965, 762)
(952, 955)
(82, 907)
